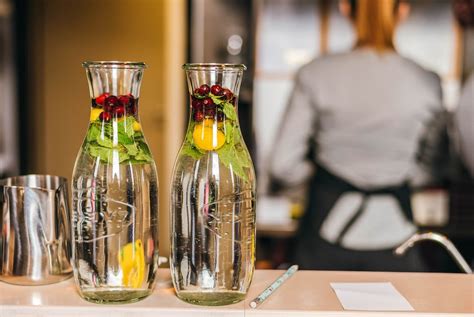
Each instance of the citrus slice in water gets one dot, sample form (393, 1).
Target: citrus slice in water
(137, 127)
(95, 113)
(207, 137)
(132, 263)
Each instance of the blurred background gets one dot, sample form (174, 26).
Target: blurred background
(44, 101)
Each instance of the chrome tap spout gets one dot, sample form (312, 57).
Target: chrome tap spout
(439, 238)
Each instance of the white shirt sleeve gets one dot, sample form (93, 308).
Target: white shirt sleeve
(289, 160)
(464, 119)
(422, 173)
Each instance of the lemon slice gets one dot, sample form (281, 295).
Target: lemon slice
(137, 127)
(132, 263)
(95, 113)
(206, 138)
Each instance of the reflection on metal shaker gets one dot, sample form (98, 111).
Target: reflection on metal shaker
(34, 230)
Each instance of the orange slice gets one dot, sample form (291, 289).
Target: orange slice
(207, 136)
(95, 113)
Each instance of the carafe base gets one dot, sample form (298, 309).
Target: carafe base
(211, 298)
(115, 296)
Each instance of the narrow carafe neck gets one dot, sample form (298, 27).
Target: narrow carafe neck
(213, 130)
(114, 89)
(213, 91)
(114, 128)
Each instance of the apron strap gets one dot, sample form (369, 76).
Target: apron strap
(328, 180)
(353, 219)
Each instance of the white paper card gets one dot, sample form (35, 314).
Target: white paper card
(370, 296)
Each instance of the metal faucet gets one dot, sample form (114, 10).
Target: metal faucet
(441, 239)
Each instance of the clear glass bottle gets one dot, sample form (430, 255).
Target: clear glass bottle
(213, 193)
(114, 192)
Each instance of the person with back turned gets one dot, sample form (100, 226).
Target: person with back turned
(365, 111)
(464, 114)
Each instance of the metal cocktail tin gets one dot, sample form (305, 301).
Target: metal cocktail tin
(35, 245)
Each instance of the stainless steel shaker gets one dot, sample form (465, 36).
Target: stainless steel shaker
(35, 244)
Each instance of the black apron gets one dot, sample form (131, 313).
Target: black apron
(313, 252)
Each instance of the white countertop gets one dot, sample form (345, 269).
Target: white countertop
(307, 293)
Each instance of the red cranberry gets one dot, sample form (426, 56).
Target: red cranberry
(105, 116)
(196, 103)
(216, 90)
(133, 105)
(227, 94)
(100, 100)
(204, 90)
(110, 102)
(124, 100)
(132, 110)
(118, 111)
(128, 102)
(198, 116)
(207, 102)
(220, 116)
(210, 111)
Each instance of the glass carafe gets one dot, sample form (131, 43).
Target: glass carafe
(213, 193)
(114, 192)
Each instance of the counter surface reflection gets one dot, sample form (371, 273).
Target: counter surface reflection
(307, 293)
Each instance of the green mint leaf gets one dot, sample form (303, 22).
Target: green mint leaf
(229, 111)
(143, 156)
(123, 156)
(188, 150)
(143, 153)
(93, 150)
(132, 149)
(92, 133)
(125, 127)
(125, 139)
(106, 129)
(104, 154)
(225, 154)
(198, 96)
(104, 141)
(229, 132)
(242, 155)
(228, 157)
(237, 136)
(129, 122)
(241, 151)
(188, 147)
(139, 138)
(107, 155)
(144, 147)
(216, 99)
(189, 135)
(131, 145)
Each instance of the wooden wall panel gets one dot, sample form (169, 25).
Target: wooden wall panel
(65, 33)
